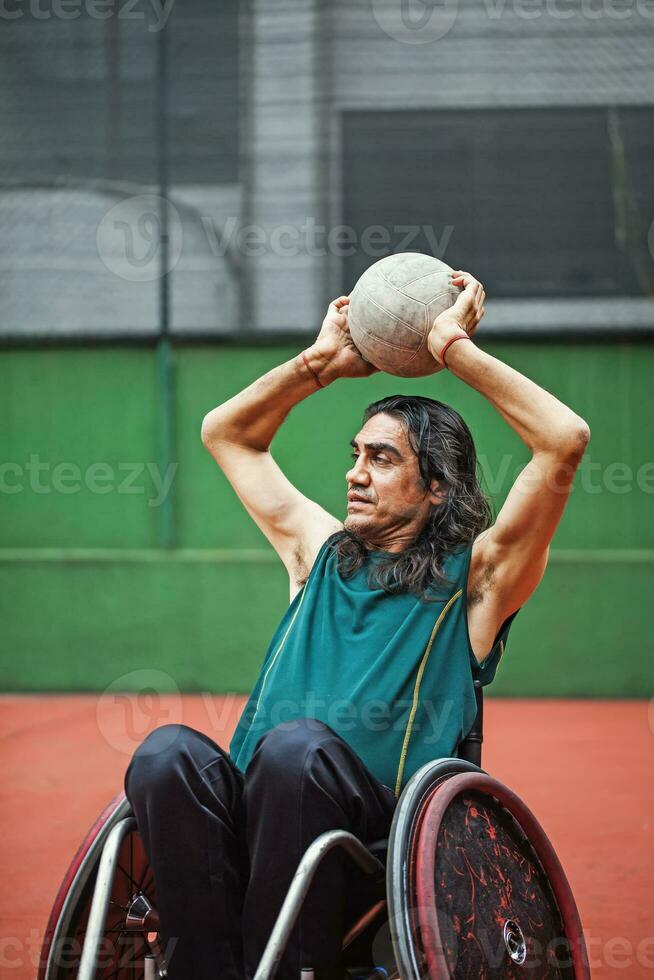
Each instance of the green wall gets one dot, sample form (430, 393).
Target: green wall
(88, 598)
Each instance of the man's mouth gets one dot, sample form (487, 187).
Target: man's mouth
(356, 498)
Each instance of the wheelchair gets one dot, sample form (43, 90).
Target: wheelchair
(466, 885)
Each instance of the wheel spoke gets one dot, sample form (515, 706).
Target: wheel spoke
(129, 877)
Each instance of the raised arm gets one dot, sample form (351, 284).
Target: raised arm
(510, 557)
(238, 434)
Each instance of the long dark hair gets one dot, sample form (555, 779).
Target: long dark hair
(445, 449)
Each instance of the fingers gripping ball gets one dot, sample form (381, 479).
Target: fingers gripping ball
(392, 308)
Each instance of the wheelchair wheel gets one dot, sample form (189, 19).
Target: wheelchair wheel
(485, 893)
(407, 813)
(128, 933)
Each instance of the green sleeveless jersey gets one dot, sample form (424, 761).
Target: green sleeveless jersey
(391, 674)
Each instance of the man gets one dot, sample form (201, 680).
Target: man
(392, 613)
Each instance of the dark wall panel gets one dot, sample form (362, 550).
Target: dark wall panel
(82, 95)
(536, 202)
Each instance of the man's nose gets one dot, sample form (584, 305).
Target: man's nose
(358, 474)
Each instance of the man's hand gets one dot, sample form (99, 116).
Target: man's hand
(462, 318)
(334, 350)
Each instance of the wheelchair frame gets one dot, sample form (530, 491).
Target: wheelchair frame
(110, 831)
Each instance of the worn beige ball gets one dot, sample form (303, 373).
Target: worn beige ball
(392, 308)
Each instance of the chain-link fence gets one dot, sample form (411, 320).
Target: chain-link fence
(196, 168)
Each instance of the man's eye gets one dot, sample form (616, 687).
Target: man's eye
(376, 458)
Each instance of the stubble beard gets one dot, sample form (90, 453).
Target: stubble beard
(358, 525)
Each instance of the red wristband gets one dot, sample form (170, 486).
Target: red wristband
(451, 341)
(318, 381)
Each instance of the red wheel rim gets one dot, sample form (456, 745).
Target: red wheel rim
(121, 950)
(433, 822)
(69, 877)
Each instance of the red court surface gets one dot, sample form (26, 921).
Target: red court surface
(584, 767)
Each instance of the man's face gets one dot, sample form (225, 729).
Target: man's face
(385, 473)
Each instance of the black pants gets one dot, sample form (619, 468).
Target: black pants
(224, 846)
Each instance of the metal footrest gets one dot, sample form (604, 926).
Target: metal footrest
(300, 886)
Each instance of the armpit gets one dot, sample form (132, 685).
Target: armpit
(482, 584)
(300, 568)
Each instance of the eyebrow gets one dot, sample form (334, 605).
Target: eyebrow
(387, 447)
